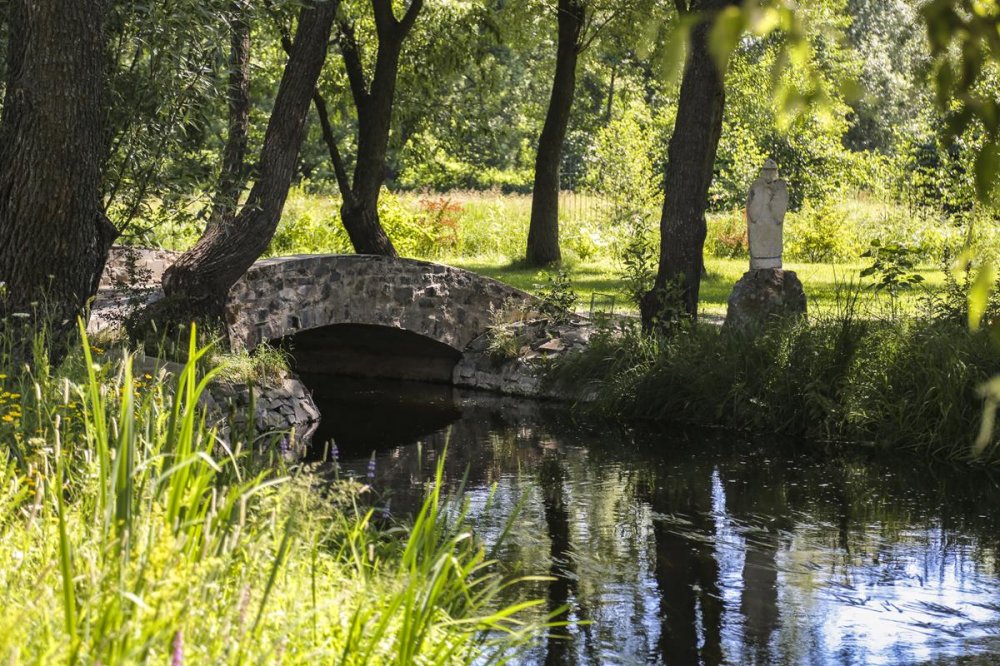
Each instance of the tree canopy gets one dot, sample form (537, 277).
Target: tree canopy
(896, 98)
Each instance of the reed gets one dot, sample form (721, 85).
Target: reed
(132, 533)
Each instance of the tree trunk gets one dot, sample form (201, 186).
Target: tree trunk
(54, 236)
(202, 276)
(543, 232)
(359, 212)
(690, 163)
(233, 178)
(610, 108)
(364, 228)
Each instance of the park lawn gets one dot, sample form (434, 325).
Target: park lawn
(825, 284)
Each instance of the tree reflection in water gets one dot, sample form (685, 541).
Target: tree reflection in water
(551, 480)
(699, 548)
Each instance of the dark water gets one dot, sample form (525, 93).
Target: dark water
(687, 547)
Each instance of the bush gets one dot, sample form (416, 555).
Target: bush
(556, 298)
(820, 234)
(902, 385)
(727, 236)
(310, 224)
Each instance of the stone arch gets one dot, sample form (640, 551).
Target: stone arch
(285, 296)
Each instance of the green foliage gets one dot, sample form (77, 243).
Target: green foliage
(133, 534)
(637, 264)
(310, 224)
(165, 102)
(889, 40)
(965, 49)
(785, 100)
(556, 295)
(264, 366)
(622, 170)
(902, 385)
(409, 232)
(727, 236)
(965, 285)
(442, 173)
(820, 234)
(892, 267)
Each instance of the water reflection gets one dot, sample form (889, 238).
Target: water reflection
(698, 548)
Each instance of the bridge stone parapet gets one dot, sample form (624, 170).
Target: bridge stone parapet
(285, 296)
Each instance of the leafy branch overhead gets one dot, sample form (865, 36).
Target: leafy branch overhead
(964, 38)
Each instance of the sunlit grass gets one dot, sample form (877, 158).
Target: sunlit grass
(821, 281)
(487, 233)
(131, 532)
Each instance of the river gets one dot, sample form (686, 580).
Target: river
(682, 546)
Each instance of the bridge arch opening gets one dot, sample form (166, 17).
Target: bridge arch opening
(371, 351)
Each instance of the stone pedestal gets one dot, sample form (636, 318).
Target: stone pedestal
(764, 295)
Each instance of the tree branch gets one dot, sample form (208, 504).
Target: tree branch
(351, 53)
(286, 40)
(410, 17)
(589, 39)
(339, 170)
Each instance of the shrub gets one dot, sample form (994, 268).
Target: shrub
(410, 233)
(556, 296)
(820, 234)
(310, 224)
(443, 217)
(727, 235)
(909, 385)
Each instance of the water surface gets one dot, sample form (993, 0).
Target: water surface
(687, 547)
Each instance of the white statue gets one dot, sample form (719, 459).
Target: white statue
(766, 206)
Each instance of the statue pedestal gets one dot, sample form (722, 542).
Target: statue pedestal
(764, 295)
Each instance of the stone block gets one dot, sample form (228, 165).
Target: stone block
(763, 296)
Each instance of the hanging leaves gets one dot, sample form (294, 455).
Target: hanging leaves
(964, 36)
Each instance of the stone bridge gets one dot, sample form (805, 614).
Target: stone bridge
(367, 315)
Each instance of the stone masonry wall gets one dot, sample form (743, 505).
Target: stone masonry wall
(282, 296)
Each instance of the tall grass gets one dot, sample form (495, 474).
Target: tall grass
(131, 533)
(898, 384)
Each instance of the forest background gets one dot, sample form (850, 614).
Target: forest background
(849, 114)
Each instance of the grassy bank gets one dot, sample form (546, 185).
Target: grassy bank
(905, 384)
(130, 533)
(824, 283)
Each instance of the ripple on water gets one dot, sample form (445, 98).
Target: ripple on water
(696, 547)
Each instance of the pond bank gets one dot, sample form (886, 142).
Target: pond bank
(902, 385)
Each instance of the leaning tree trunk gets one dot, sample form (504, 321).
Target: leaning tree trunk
(690, 163)
(233, 177)
(543, 232)
(54, 236)
(200, 279)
